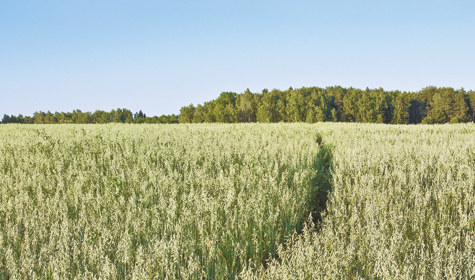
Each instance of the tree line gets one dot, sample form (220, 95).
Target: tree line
(336, 104)
(77, 116)
(313, 104)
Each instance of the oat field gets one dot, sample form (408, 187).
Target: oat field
(245, 201)
(402, 207)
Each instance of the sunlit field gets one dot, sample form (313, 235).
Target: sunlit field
(245, 201)
(402, 207)
(148, 201)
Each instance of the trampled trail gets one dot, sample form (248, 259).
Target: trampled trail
(247, 201)
(402, 207)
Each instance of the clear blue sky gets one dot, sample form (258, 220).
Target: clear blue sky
(158, 56)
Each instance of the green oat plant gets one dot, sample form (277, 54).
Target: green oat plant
(154, 201)
(402, 207)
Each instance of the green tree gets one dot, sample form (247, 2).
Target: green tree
(339, 93)
(320, 114)
(199, 115)
(267, 109)
(323, 104)
(38, 117)
(401, 105)
(84, 118)
(296, 106)
(281, 110)
(366, 111)
(471, 95)
(118, 116)
(50, 118)
(226, 98)
(383, 105)
(334, 114)
(417, 110)
(6, 118)
(129, 118)
(96, 116)
(106, 117)
(460, 107)
(310, 118)
(247, 107)
(210, 117)
(186, 114)
(349, 103)
(439, 108)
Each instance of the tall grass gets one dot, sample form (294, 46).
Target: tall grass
(402, 207)
(140, 202)
(237, 201)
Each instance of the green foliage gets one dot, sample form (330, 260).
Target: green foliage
(12, 119)
(309, 105)
(401, 114)
(334, 115)
(102, 117)
(339, 104)
(448, 104)
(471, 99)
(427, 120)
(186, 114)
(246, 106)
(417, 111)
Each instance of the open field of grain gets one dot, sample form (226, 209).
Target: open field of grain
(123, 201)
(402, 207)
(237, 201)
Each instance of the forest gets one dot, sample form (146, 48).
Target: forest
(99, 116)
(307, 104)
